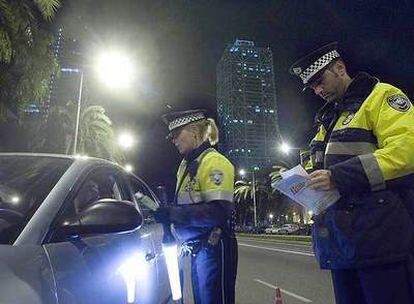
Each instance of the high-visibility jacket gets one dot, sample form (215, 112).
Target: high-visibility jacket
(204, 193)
(367, 142)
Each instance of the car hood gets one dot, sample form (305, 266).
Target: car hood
(25, 275)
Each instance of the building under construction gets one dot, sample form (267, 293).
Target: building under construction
(246, 105)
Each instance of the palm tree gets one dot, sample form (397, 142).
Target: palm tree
(243, 194)
(276, 174)
(19, 18)
(26, 55)
(96, 135)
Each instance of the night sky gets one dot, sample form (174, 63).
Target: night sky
(176, 46)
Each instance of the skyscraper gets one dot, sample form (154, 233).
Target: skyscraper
(246, 105)
(64, 88)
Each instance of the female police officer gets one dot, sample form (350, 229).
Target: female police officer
(203, 209)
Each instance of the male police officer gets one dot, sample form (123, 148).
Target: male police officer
(364, 147)
(204, 199)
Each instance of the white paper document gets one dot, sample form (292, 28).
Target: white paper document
(294, 184)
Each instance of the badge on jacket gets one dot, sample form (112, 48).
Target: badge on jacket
(216, 176)
(399, 102)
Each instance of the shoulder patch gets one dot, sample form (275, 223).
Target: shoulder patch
(400, 103)
(216, 176)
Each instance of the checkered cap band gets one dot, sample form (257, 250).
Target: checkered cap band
(181, 121)
(318, 65)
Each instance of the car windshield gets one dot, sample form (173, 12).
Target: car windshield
(25, 181)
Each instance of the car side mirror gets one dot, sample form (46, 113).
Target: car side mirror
(103, 216)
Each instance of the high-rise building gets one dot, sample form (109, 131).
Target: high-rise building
(246, 105)
(65, 86)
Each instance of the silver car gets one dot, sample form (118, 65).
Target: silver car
(77, 231)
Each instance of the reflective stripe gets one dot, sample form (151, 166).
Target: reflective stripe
(184, 198)
(217, 195)
(372, 171)
(350, 148)
(319, 156)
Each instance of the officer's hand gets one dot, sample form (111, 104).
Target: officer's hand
(321, 180)
(162, 215)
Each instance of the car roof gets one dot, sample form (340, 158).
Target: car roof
(75, 158)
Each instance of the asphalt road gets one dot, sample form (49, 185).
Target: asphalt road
(264, 264)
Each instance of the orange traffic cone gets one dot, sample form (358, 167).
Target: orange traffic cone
(278, 296)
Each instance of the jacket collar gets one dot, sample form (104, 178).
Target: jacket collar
(197, 151)
(358, 90)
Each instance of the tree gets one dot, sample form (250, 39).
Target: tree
(19, 17)
(26, 55)
(243, 194)
(96, 135)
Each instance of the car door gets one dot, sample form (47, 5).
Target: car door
(101, 268)
(147, 202)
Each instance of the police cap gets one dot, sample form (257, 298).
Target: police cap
(177, 120)
(311, 66)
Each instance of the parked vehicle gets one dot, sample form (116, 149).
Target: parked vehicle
(287, 229)
(271, 229)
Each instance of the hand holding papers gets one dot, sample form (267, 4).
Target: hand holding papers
(294, 184)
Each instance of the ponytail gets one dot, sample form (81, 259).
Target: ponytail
(206, 130)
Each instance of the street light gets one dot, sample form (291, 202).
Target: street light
(285, 148)
(114, 69)
(129, 168)
(271, 217)
(126, 140)
(242, 173)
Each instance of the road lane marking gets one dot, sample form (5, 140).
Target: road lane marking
(275, 242)
(293, 295)
(278, 250)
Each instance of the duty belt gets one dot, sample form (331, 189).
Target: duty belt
(193, 247)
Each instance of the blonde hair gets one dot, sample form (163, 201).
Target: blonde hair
(206, 129)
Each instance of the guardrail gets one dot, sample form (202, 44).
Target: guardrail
(279, 237)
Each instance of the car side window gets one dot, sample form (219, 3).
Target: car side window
(99, 184)
(143, 196)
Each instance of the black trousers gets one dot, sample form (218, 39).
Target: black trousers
(213, 273)
(384, 284)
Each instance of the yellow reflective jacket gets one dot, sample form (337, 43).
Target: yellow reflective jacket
(371, 143)
(213, 180)
(204, 194)
(367, 141)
